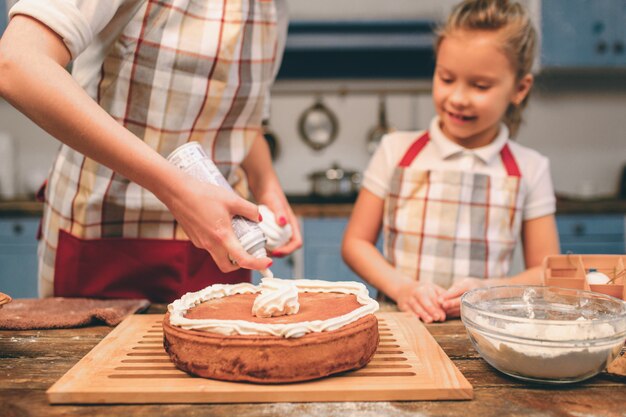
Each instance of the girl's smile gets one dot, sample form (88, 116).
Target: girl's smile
(459, 118)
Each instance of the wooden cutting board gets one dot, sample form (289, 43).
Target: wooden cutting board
(130, 366)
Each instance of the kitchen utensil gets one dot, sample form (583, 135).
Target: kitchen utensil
(318, 126)
(381, 129)
(272, 140)
(130, 365)
(335, 181)
(545, 334)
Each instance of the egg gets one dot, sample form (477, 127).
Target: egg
(597, 278)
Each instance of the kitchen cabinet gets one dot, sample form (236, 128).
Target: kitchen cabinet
(281, 268)
(322, 251)
(18, 256)
(583, 34)
(587, 233)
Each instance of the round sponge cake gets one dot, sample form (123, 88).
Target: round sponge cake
(268, 358)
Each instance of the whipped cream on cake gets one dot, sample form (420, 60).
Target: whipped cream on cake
(276, 297)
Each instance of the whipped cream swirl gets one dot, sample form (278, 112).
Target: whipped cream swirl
(279, 297)
(179, 308)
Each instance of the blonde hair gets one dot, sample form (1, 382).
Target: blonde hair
(519, 39)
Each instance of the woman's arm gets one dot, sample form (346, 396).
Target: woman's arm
(266, 189)
(360, 253)
(34, 80)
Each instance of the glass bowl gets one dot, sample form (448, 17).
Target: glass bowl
(545, 334)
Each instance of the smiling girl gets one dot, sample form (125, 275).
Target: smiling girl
(453, 200)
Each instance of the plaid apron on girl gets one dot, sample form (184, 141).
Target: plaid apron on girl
(442, 225)
(180, 71)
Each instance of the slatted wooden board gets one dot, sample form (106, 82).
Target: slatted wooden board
(130, 366)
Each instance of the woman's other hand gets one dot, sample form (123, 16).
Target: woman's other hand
(421, 298)
(283, 232)
(276, 235)
(266, 189)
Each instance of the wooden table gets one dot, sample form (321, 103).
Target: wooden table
(31, 361)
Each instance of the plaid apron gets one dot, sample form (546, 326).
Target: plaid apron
(180, 71)
(442, 225)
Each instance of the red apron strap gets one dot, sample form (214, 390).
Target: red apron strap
(510, 164)
(414, 150)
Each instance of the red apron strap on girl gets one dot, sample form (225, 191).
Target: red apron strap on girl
(414, 150)
(510, 164)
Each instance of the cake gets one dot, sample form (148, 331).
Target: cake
(278, 332)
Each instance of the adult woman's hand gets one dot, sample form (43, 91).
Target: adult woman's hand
(204, 211)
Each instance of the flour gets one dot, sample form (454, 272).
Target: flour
(548, 350)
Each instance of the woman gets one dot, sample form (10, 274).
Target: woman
(147, 77)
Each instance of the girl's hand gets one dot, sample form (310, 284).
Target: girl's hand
(204, 211)
(421, 299)
(450, 300)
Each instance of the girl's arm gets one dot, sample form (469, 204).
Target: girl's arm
(540, 239)
(33, 79)
(360, 253)
(266, 189)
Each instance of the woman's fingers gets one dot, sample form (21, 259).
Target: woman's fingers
(242, 207)
(230, 255)
(295, 242)
(279, 212)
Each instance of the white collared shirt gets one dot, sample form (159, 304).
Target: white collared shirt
(443, 154)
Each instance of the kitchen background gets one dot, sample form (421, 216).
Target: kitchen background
(576, 116)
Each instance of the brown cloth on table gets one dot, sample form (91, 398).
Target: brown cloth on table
(63, 313)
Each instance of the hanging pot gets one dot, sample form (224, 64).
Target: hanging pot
(318, 126)
(335, 182)
(375, 135)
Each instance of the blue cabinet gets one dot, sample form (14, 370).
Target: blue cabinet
(322, 251)
(583, 33)
(18, 256)
(588, 234)
(281, 268)
(3, 16)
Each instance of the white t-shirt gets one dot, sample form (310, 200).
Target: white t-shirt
(442, 154)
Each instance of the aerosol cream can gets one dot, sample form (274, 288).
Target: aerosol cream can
(193, 160)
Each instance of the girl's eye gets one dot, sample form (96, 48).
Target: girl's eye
(446, 80)
(482, 86)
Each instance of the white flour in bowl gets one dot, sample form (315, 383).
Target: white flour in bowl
(546, 358)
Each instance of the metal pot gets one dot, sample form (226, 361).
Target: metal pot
(335, 182)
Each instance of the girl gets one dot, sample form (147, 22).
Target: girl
(147, 76)
(453, 199)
